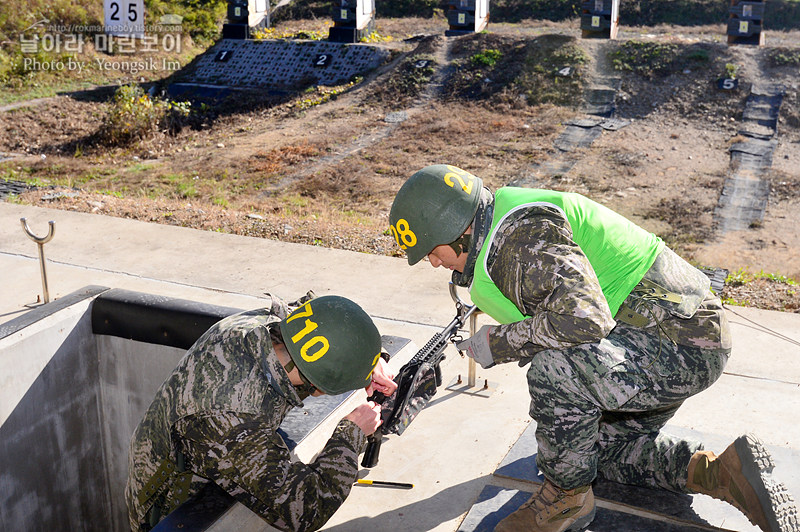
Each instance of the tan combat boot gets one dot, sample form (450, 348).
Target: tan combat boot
(552, 510)
(741, 476)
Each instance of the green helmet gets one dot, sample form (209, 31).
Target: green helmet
(434, 207)
(333, 343)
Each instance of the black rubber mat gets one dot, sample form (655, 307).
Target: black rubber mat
(8, 188)
(631, 503)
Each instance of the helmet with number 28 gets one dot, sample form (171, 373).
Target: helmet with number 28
(333, 343)
(434, 207)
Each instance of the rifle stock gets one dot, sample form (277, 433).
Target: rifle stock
(373, 449)
(413, 383)
(374, 440)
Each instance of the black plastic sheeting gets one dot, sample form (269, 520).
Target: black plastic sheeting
(599, 104)
(575, 137)
(745, 193)
(600, 98)
(717, 277)
(762, 107)
(8, 188)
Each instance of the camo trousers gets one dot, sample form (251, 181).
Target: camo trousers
(600, 408)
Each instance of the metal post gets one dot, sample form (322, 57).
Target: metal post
(471, 387)
(41, 241)
(472, 369)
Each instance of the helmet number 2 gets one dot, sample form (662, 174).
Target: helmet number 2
(459, 175)
(310, 326)
(403, 234)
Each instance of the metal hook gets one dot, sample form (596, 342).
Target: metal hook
(40, 242)
(473, 324)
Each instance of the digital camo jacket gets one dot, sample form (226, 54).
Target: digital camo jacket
(215, 418)
(535, 263)
(602, 388)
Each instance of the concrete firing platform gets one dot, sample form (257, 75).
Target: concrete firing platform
(280, 64)
(454, 447)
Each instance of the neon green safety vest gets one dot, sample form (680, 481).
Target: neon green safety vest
(619, 251)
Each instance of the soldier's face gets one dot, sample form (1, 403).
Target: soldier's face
(445, 256)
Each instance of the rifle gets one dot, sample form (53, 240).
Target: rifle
(416, 382)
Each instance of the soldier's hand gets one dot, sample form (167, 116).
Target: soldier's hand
(367, 416)
(382, 380)
(477, 347)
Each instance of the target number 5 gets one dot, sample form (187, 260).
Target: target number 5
(124, 17)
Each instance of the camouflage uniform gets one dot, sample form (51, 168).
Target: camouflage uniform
(216, 416)
(601, 389)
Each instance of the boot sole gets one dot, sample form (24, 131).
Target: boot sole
(582, 523)
(775, 499)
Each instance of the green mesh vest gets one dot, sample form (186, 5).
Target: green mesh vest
(619, 251)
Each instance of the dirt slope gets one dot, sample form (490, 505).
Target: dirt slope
(325, 173)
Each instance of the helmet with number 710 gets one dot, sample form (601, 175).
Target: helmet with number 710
(433, 208)
(333, 343)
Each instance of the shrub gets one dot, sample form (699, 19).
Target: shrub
(486, 57)
(133, 116)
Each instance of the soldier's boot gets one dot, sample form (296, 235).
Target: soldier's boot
(552, 509)
(742, 476)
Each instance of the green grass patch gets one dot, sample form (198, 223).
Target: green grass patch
(486, 58)
(648, 59)
(742, 276)
(699, 55)
(140, 167)
(21, 174)
(780, 57)
(114, 193)
(731, 302)
(187, 190)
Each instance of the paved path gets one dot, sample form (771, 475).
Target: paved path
(453, 447)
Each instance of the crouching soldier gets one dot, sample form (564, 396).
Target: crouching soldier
(215, 418)
(617, 330)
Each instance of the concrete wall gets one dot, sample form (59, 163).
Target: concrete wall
(129, 373)
(52, 466)
(69, 402)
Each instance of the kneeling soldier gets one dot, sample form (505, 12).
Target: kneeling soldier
(215, 418)
(618, 331)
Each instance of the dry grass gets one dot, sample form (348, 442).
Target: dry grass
(277, 160)
(326, 175)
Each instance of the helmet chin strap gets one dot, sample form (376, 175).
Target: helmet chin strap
(461, 244)
(303, 390)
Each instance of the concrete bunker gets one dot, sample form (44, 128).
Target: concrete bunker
(76, 376)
